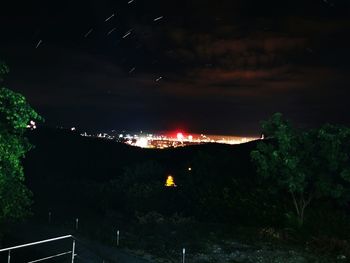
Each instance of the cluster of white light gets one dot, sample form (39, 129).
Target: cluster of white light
(31, 125)
(142, 142)
(181, 140)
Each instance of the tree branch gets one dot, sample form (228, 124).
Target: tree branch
(295, 203)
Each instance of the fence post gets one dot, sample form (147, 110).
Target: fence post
(76, 223)
(9, 257)
(183, 255)
(117, 238)
(49, 217)
(73, 251)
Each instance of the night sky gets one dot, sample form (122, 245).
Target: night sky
(216, 67)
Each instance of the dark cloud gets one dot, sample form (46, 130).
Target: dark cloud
(222, 66)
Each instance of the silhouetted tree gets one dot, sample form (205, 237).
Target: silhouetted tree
(308, 165)
(15, 115)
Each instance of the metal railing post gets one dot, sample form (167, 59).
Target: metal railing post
(9, 249)
(73, 251)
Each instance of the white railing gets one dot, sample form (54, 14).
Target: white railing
(9, 249)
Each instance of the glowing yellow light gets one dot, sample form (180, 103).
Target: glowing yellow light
(170, 182)
(189, 168)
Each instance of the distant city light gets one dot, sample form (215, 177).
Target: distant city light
(142, 142)
(180, 136)
(167, 140)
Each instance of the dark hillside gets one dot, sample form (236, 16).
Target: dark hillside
(67, 155)
(71, 173)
